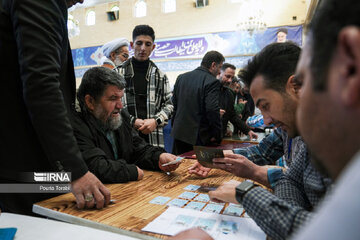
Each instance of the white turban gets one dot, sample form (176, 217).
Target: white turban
(113, 45)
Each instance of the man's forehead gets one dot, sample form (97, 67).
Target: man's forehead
(113, 89)
(258, 90)
(304, 61)
(229, 70)
(143, 38)
(124, 48)
(257, 84)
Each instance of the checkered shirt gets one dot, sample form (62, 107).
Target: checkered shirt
(296, 194)
(159, 104)
(271, 148)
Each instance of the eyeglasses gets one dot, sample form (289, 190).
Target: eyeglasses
(124, 55)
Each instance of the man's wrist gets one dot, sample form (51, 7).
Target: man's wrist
(158, 121)
(242, 189)
(260, 175)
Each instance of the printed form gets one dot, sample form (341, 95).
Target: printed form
(175, 220)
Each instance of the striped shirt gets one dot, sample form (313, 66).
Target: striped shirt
(159, 104)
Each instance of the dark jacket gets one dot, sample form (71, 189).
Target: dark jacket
(37, 90)
(226, 102)
(98, 153)
(196, 116)
(246, 111)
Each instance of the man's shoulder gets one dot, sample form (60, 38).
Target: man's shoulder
(80, 122)
(228, 90)
(156, 69)
(124, 68)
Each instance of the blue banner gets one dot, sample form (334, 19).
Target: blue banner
(230, 44)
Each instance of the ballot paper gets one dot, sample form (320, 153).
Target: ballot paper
(205, 155)
(220, 227)
(178, 159)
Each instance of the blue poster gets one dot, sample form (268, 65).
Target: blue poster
(236, 46)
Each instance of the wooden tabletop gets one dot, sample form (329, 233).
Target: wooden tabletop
(131, 210)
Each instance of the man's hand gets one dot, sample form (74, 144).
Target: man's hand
(227, 152)
(199, 170)
(222, 112)
(242, 167)
(252, 135)
(148, 126)
(225, 193)
(140, 173)
(165, 158)
(138, 123)
(228, 133)
(89, 189)
(193, 233)
(236, 164)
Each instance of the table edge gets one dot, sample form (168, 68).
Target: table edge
(64, 217)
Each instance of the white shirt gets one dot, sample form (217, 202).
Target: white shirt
(339, 215)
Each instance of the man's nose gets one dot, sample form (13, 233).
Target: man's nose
(119, 104)
(267, 119)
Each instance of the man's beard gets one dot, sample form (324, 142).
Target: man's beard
(117, 61)
(108, 123)
(225, 84)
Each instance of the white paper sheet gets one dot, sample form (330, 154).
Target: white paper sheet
(31, 228)
(175, 220)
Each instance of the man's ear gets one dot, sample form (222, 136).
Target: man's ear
(90, 102)
(349, 48)
(293, 85)
(132, 45)
(112, 56)
(153, 47)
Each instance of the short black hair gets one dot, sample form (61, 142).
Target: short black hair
(284, 30)
(227, 65)
(276, 63)
(95, 81)
(210, 57)
(330, 17)
(143, 30)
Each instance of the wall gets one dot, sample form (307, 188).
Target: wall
(219, 16)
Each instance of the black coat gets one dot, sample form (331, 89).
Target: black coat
(37, 90)
(196, 116)
(132, 150)
(226, 102)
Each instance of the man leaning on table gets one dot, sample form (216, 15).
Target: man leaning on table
(37, 93)
(329, 65)
(300, 189)
(278, 101)
(111, 148)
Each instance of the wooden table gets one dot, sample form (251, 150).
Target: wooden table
(131, 210)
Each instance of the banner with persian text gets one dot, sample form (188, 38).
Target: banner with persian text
(192, 48)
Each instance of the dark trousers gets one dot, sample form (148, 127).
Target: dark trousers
(180, 147)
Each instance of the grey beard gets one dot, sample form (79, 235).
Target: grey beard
(117, 62)
(114, 123)
(109, 123)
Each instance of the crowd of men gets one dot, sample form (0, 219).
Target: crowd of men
(115, 128)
